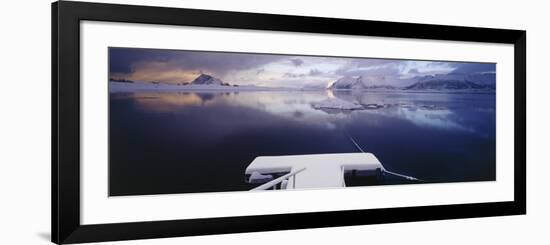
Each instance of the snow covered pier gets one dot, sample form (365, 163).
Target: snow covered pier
(310, 171)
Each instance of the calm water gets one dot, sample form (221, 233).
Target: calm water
(183, 142)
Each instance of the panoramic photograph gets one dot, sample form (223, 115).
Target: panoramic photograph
(188, 121)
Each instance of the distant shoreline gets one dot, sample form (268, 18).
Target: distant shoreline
(116, 87)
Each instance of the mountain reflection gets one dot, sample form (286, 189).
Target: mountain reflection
(443, 111)
(175, 139)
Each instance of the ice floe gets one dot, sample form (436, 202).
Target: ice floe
(335, 103)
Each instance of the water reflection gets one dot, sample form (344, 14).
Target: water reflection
(423, 109)
(182, 142)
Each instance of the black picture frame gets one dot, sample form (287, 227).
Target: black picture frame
(66, 17)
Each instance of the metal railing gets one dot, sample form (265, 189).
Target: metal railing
(279, 180)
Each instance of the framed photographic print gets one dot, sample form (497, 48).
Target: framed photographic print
(175, 122)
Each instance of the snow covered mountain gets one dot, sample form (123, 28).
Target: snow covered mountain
(204, 79)
(357, 83)
(448, 85)
(479, 81)
(348, 82)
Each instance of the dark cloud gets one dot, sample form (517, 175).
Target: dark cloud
(293, 75)
(471, 68)
(221, 63)
(176, 66)
(437, 63)
(315, 72)
(357, 67)
(387, 70)
(372, 62)
(121, 59)
(124, 60)
(297, 62)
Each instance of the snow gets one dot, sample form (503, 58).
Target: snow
(477, 82)
(321, 170)
(479, 78)
(335, 103)
(373, 106)
(447, 85)
(204, 79)
(348, 82)
(359, 83)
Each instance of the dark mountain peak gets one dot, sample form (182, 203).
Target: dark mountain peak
(204, 79)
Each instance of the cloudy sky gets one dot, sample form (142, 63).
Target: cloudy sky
(174, 66)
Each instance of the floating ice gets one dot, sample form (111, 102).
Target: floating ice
(373, 106)
(335, 103)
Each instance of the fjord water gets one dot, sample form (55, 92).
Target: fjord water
(201, 141)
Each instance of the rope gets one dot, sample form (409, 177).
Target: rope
(402, 175)
(355, 143)
(383, 170)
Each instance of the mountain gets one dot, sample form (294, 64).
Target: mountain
(348, 82)
(454, 81)
(483, 79)
(204, 79)
(381, 87)
(441, 84)
(121, 80)
(357, 83)
(488, 79)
